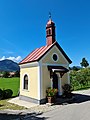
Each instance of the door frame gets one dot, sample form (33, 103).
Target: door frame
(59, 84)
(56, 80)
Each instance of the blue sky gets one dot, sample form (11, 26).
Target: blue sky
(22, 27)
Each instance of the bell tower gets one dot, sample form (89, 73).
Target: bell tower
(50, 31)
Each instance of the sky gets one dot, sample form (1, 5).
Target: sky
(23, 22)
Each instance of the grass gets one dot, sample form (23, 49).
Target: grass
(4, 104)
(10, 83)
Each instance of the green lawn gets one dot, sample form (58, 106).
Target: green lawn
(10, 83)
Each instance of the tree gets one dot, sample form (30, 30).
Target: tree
(84, 63)
(6, 74)
(17, 74)
(75, 68)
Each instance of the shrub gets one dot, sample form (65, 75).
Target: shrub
(80, 79)
(7, 93)
(1, 94)
(67, 89)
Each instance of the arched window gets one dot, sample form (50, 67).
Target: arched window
(49, 32)
(26, 82)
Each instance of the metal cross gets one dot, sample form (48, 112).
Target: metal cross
(49, 15)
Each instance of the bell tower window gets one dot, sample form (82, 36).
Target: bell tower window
(50, 32)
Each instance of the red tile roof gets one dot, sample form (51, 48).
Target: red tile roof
(38, 53)
(35, 55)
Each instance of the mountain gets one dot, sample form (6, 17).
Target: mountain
(75, 68)
(9, 65)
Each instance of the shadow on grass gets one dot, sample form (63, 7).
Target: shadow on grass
(21, 116)
(76, 98)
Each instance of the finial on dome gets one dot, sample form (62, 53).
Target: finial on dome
(49, 15)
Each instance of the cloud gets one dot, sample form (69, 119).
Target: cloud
(3, 58)
(15, 59)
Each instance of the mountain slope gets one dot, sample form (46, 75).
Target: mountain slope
(8, 65)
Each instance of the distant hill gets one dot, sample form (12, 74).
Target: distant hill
(9, 65)
(75, 67)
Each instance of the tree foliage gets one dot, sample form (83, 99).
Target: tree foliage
(75, 68)
(84, 63)
(80, 78)
(6, 74)
(17, 74)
